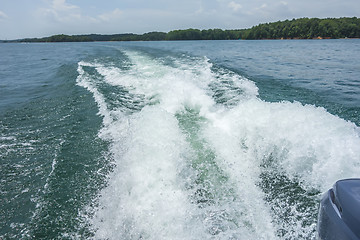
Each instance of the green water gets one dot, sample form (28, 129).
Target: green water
(174, 140)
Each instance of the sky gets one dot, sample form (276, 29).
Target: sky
(40, 18)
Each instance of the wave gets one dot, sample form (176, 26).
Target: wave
(199, 156)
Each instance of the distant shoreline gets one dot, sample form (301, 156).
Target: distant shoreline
(302, 28)
(263, 39)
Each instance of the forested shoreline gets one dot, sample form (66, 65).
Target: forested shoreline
(302, 28)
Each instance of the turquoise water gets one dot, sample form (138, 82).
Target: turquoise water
(175, 140)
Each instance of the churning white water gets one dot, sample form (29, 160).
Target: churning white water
(199, 156)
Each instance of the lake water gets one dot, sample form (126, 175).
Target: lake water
(175, 140)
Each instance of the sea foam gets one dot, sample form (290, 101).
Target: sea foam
(195, 121)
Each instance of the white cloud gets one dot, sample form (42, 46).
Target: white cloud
(263, 6)
(61, 5)
(110, 16)
(61, 11)
(234, 6)
(3, 16)
(271, 12)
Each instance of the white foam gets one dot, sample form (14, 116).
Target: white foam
(84, 80)
(146, 197)
(53, 165)
(311, 143)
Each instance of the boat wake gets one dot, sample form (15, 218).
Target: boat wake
(199, 155)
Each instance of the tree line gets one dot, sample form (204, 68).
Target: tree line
(302, 28)
(152, 36)
(306, 28)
